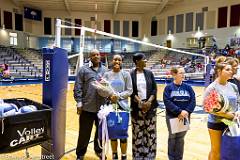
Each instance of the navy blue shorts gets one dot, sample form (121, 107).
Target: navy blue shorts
(217, 126)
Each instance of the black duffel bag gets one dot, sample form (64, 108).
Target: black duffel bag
(25, 130)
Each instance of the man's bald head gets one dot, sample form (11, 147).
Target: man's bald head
(94, 57)
(94, 51)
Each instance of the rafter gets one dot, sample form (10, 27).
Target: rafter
(116, 7)
(142, 1)
(161, 6)
(16, 3)
(67, 6)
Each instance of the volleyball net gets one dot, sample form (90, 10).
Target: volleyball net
(160, 58)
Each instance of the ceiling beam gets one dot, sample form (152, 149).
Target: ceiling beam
(67, 6)
(16, 3)
(161, 6)
(116, 7)
(141, 1)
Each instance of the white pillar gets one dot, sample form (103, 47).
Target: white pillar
(82, 43)
(58, 33)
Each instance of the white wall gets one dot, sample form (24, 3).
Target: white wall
(36, 28)
(22, 40)
(4, 37)
(33, 42)
(223, 35)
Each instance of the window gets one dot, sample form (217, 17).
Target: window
(78, 22)
(235, 15)
(116, 27)
(222, 17)
(134, 28)
(179, 25)
(199, 21)
(47, 26)
(8, 20)
(107, 26)
(154, 28)
(13, 38)
(189, 22)
(171, 24)
(18, 22)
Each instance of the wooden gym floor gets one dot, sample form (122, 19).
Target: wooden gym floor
(197, 143)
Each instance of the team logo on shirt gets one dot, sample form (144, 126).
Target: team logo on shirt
(180, 95)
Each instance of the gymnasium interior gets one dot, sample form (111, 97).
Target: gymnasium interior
(189, 33)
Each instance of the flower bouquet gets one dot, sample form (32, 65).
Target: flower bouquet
(103, 88)
(216, 103)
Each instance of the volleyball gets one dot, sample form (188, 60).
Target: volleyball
(27, 109)
(8, 109)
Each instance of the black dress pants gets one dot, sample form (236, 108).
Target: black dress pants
(86, 120)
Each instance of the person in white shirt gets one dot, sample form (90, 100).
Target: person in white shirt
(144, 105)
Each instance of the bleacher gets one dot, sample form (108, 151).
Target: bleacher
(22, 63)
(159, 62)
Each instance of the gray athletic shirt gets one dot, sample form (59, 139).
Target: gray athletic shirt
(229, 90)
(121, 82)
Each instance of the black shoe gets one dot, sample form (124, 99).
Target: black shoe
(80, 158)
(124, 157)
(99, 155)
(115, 156)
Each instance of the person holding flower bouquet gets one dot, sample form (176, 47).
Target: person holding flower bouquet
(221, 101)
(119, 87)
(88, 103)
(179, 100)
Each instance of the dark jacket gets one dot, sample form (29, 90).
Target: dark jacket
(151, 90)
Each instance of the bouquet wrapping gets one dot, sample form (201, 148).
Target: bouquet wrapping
(216, 103)
(103, 88)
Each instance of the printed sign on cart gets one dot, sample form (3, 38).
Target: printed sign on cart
(26, 135)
